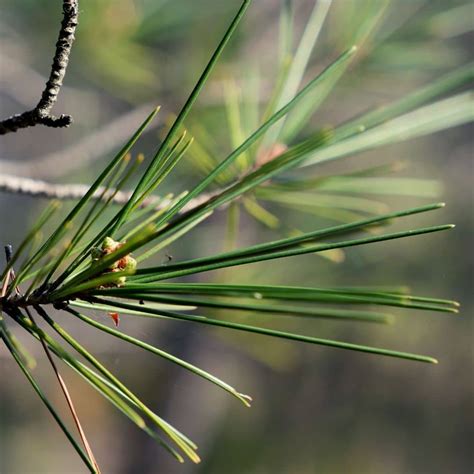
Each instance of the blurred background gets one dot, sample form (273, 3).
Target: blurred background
(315, 410)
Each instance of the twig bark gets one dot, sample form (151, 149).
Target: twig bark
(97, 144)
(41, 114)
(65, 192)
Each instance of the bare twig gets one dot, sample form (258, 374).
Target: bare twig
(19, 81)
(97, 144)
(64, 192)
(41, 114)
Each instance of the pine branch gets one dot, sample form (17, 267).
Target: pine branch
(41, 114)
(62, 383)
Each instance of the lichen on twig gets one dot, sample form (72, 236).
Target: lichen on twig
(41, 114)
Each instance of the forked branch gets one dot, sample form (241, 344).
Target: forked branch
(41, 114)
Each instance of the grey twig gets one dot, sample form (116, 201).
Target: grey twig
(64, 192)
(41, 114)
(94, 145)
